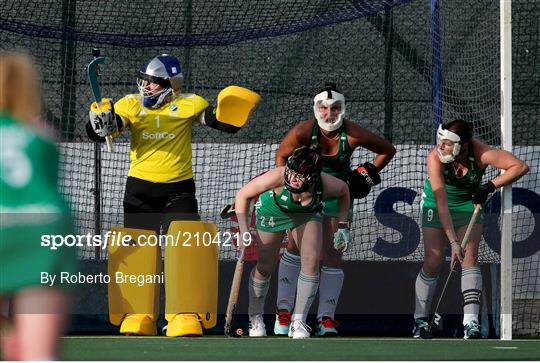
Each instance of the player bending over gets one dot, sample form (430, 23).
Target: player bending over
(291, 197)
(338, 138)
(453, 188)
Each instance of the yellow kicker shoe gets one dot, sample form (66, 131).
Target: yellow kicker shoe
(185, 325)
(138, 324)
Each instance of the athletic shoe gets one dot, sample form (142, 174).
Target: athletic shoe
(327, 327)
(299, 330)
(256, 326)
(283, 320)
(420, 328)
(471, 330)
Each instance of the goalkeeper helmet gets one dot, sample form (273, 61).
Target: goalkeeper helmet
(458, 132)
(329, 97)
(305, 165)
(158, 79)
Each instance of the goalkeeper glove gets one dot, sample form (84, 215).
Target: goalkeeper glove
(342, 237)
(103, 119)
(482, 192)
(361, 180)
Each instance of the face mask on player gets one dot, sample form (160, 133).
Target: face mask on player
(444, 136)
(334, 104)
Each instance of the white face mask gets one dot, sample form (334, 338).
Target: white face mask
(450, 136)
(327, 123)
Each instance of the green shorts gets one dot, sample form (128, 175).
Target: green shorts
(331, 208)
(23, 259)
(270, 218)
(461, 215)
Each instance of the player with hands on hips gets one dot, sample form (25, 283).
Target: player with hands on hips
(160, 187)
(291, 198)
(456, 166)
(338, 137)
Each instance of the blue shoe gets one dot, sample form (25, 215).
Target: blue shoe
(327, 327)
(471, 330)
(420, 328)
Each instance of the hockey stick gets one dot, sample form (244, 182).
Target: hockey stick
(227, 212)
(233, 296)
(436, 316)
(92, 71)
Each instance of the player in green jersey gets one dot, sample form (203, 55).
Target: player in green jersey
(338, 137)
(453, 188)
(30, 207)
(291, 198)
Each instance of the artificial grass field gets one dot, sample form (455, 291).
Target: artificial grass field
(272, 348)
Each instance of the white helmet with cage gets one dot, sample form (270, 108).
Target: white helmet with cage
(445, 134)
(164, 70)
(329, 97)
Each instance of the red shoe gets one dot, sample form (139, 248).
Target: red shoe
(326, 327)
(283, 320)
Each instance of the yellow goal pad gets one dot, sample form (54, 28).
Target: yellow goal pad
(134, 268)
(191, 271)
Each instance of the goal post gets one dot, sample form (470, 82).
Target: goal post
(506, 192)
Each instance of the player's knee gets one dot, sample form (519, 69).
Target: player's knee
(292, 248)
(431, 267)
(310, 264)
(266, 268)
(331, 257)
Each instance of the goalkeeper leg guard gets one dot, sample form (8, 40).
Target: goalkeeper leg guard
(135, 271)
(191, 277)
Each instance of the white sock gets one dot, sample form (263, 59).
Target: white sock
(257, 294)
(471, 288)
(329, 291)
(305, 294)
(424, 290)
(289, 270)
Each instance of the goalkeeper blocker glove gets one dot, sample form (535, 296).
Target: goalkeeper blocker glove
(342, 237)
(361, 180)
(482, 193)
(103, 119)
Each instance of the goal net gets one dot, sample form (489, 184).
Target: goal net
(403, 66)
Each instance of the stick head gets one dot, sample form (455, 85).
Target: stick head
(96, 52)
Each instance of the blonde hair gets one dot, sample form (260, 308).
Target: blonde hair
(20, 95)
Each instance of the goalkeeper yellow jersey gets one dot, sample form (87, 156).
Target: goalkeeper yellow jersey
(161, 138)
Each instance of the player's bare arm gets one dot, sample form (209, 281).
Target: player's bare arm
(514, 168)
(296, 137)
(362, 137)
(435, 175)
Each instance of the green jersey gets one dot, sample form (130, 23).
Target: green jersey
(458, 190)
(277, 211)
(31, 207)
(338, 165)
